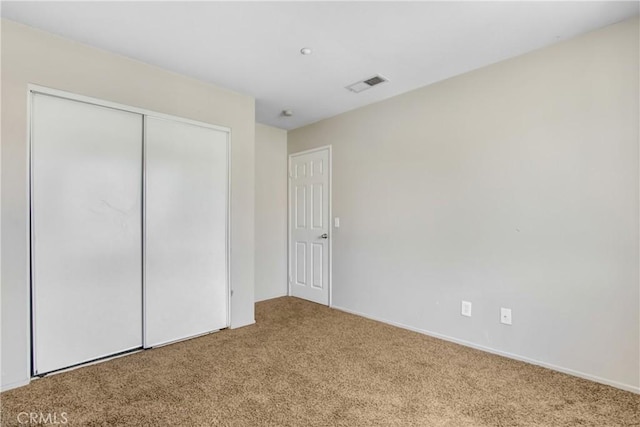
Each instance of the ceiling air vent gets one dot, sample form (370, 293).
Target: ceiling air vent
(366, 84)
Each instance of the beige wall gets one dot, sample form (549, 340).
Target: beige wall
(271, 213)
(32, 56)
(515, 185)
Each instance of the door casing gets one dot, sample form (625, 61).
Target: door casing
(328, 148)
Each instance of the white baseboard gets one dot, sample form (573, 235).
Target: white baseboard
(16, 384)
(616, 384)
(271, 297)
(243, 325)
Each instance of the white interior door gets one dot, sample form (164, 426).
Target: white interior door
(186, 185)
(309, 225)
(86, 231)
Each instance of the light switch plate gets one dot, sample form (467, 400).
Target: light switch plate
(336, 222)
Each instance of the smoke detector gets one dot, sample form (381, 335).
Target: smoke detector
(363, 85)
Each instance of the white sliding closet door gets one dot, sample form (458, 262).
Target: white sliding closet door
(186, 184)
(86, 231)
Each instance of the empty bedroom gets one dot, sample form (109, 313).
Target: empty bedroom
(320, 213)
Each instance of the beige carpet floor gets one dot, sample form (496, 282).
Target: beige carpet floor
(303, 364)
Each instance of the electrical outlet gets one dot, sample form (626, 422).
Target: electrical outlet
(465, 308)
(505, 316)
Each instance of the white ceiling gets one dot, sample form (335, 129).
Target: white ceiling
(254, 47)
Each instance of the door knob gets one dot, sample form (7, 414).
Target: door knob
(324, 236)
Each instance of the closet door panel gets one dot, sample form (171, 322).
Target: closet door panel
(185, 233)
(86, 235)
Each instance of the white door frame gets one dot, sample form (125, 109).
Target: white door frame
(33, 89)
(330, 197)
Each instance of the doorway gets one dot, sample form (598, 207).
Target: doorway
(310, 225)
